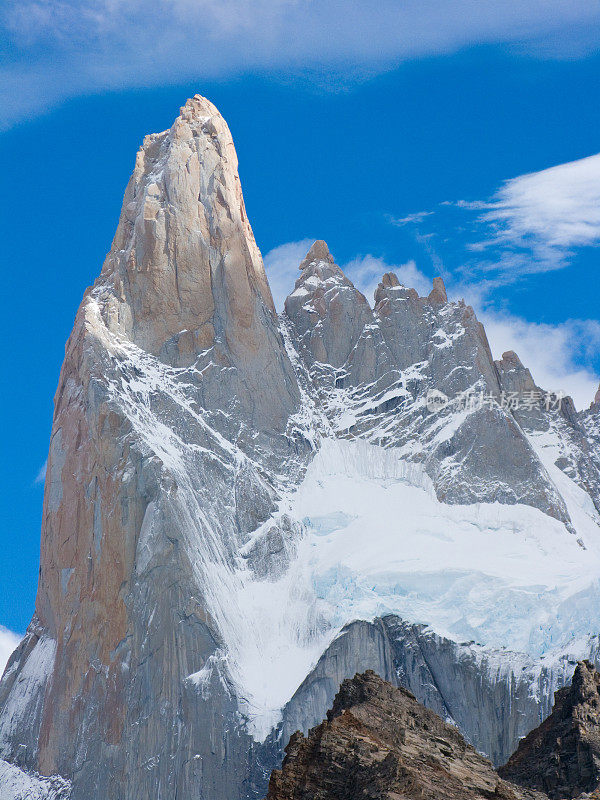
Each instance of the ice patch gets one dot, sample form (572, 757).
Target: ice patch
(328, 523)
(28, 690)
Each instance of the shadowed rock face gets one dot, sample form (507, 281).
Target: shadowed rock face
(379, 742)
(553, 420)
(562, 756)
(492, 706)
(186, 416)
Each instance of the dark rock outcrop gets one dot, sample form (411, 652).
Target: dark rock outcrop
(562, 756)
(379, 742)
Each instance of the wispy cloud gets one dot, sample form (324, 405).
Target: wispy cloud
(56, 49)
(549, 212)
(364, 271)
(8, 643)
(532, 224)
(410, 219)
(41, 476)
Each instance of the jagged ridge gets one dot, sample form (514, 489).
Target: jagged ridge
(562, 756)
(378, 742)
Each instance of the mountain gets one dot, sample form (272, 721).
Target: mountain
(562, 756)
(241, 510)
(377, 743)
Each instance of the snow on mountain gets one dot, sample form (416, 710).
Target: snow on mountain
(232, 499)
(8, 642)
(377, 541)
(18, 785)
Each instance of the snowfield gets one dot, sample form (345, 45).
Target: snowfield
(18, 785)
(377, 541)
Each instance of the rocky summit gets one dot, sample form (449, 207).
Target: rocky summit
(379, 743)
(242, 509)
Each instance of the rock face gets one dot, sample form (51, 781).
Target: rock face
(370, 362)
(175, 353)
(241, 510)
(562, 756)
(493, 697)
(378, 742)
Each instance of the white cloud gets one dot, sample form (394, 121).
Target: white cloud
(281, 265)
(365, 272)
(559, 357)
(57, 49)
(559, 207)
(41, 476)
(535, 222)
(8, 643)
(411, 219)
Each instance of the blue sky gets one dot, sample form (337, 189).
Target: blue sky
(398, 132)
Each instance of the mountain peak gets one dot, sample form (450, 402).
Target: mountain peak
(511, 359)
(202, 448)
(438, 293)
(379, 742)
(184, 256)
(198, 104)
(318, 252)
(389, 280)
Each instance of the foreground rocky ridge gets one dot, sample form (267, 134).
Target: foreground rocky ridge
(181, 632)
(494, 697)
(562, 756)
(378, 742)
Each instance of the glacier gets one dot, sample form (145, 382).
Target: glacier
(376, 541)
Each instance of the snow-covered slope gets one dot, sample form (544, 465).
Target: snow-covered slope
(18, 785)
(240, 508)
